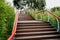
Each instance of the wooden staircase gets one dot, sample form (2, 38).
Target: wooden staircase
(25, 17)
(30, 29)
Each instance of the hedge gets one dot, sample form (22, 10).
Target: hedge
(7, 16)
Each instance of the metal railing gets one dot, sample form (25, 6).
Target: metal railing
(14, 27)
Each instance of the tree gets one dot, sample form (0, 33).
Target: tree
(55, 9)
(35, 4)
(41, 4)
(16, 4)
(19, 3)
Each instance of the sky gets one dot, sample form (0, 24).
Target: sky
(52, 3)
(10, 2)
(49, 3)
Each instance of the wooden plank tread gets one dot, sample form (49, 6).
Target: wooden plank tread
(37, 32)
(39, 36)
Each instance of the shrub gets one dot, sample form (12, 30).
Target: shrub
(6, 20)
(44, 17)
(56, 10)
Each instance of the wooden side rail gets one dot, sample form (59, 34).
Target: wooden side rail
(14, 27)
(53, 14)
(57, 18)
(48, 17)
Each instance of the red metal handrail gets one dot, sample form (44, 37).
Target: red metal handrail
(14, 27)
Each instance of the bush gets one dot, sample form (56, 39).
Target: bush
(56, 10)
(6, 20)
(44, 17)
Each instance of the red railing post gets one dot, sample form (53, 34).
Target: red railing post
(14, 27)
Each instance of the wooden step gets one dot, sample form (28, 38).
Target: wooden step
(34, 27)
(52, 39)
(30, 26)
(41, 39)
(35, 33)
(35, 30)
(30, 29)
(31, 22)
(38, 37)
(25, 17)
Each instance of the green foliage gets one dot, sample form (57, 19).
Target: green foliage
(6, 20)
(35, 4)
(43, 16)
(56, 10)
(40, 4)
